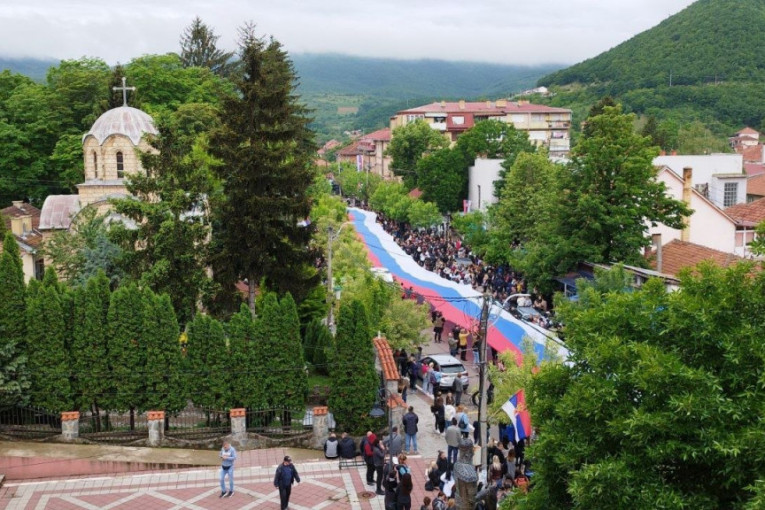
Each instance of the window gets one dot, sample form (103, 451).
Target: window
(95, 164)
(120, 166)
(730, 194)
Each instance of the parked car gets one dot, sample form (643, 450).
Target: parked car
(448, 366)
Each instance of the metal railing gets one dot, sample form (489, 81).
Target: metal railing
(195, 423)
(279, 422)
(116, 428)
(29, 422)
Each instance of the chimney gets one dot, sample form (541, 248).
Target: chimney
(488, 104)
(501, 103)
(687, 194)
(656, 243)
(462, 104)
(443, 104)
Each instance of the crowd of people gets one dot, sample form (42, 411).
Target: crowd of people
(443, 252)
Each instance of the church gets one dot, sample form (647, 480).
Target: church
(111, 151)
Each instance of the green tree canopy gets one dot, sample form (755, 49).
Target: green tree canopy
(208, 376)
(660, 391)
(14, 379)
(199, 48)
(354, 379)
(266, 151)
(443, 178)
(165, 382)
(408, 144)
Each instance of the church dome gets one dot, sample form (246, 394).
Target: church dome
(124, 120)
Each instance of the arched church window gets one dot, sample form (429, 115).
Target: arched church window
(120, 166)
(95, 164)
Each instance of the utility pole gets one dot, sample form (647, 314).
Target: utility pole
(484, 383)
(330, 289)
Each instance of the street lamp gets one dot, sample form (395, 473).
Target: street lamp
(330, 287)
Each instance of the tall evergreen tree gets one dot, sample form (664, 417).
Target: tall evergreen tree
(126, 350)
(14, 381)
(319, 346)
(265, 148)
(48, 361)
(355, 383)
(88, 352)
(165, 387)
(279, 346)
(199, 49)
(209, 367)
(166, 249)
(246, 385)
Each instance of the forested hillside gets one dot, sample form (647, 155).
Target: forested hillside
(377, 88)
(703, 65)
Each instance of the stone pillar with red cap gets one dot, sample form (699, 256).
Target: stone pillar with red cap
(70, 425)
(156, 421)
(320, 426)
(238, 424)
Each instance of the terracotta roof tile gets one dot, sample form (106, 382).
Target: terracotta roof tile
(350, 150)
(677, 255)
(385, 355)
(752, 154)
(754, 169)
(755, 185)
(415, 193)
(748, 131)
(753, 212)
(380, 134)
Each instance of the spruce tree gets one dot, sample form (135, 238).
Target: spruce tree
(14, 381)
(209, 367)
(199, 49)
(90, 362)
(322, 346)
(165, 388)
(355, 383)
(265, 150)
(246, 388)
(126, 350)
(48, 361)
(50, 278)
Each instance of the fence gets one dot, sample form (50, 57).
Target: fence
(115, 428)
(29, 422)
(196, 424)
(277, 422)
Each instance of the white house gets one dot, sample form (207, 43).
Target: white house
(719, 177)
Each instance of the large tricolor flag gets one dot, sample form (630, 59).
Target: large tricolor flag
(515, 407)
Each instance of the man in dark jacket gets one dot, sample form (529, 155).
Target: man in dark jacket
(286, 475)
(346, 447)
(410, 429)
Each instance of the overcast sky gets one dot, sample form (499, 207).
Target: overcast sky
(503, 31)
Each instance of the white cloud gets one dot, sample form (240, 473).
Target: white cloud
(522, 31)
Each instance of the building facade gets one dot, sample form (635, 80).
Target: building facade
(545, 125)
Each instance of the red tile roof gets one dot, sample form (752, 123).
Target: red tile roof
(382, 135)
(484, 108)
(753, 153)
(677, 255)
(33, 238)
(755, 185)
(748, 214)
(748, 131)
(385, 355)
(754, 168)
(415, 193)
(350, 150)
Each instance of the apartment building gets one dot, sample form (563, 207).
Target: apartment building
(545, 125)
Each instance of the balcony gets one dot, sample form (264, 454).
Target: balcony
(438, 126)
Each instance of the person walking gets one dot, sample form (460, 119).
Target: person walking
(452, 441)
(286, 475)
(454, 341)
(439, 411)
(410, 421)
(404, 496)
(438, 327)
(367, 451)
(228, 456)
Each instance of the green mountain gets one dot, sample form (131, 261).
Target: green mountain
(32, 67)
(347, 93)
(344, 74)
(705, 63)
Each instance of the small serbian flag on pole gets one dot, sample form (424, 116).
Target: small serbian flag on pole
(515, 407)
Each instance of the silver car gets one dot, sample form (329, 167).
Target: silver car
(449, 366)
